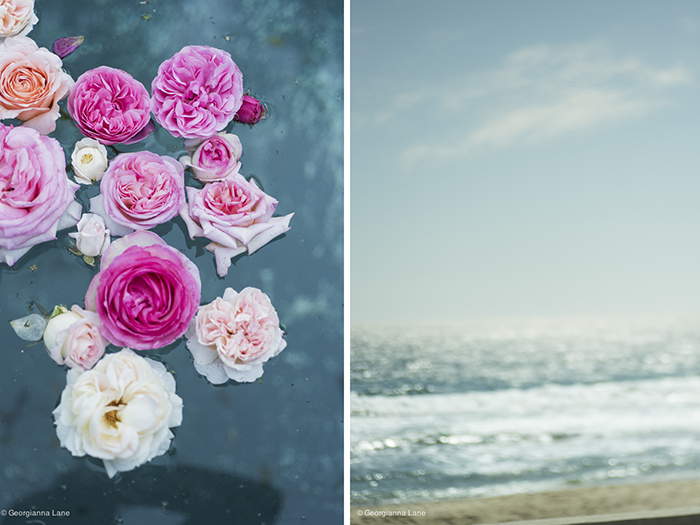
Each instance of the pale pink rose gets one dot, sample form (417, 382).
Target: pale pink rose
(92, 237)
(214, 158)
(139, 191)
(36, 196)
(231, 337)
(236, 215)
(17, 17)
(73, 338)
(146, 292)
(31, 84)
(197, 92)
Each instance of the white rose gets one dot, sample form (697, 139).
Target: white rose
(73, 338)
(121, 411)
(16, 18)
(92, 237)
(89, 160)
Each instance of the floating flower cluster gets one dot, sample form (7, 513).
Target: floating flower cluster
(118, 406)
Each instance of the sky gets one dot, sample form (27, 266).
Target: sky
(515, 158)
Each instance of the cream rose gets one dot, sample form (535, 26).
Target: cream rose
(16, 17)
(233, 336)
(31, 84)
(89, 161)
(73, 338)
(121, 411)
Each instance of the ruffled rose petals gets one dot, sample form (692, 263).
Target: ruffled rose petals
(66, 45)
(121, 411)
(37, 196)
(214, 158)
(17, 18)
(235, 215)
(145, 293)
(233, 336)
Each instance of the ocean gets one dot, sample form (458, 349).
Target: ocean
(495, 407)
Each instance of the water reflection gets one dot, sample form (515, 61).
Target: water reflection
(153, 495)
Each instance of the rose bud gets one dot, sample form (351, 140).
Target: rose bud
(251, 111)
(89, 160)
(92, 237)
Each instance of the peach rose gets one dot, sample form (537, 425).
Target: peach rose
(31, 84)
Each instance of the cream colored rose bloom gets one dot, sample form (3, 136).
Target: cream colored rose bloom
(121, 411)
(16, 17)
(73, 338)
(89, 161)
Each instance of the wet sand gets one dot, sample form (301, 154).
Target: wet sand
(587, 501)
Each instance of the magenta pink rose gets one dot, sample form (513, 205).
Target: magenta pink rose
(138, 191)
(146, 292)
(110, 106)
(214, 158)
(251, 111)
(197, 92)
(235, 215)
(36, 196)
(31, 84)
(234, 335)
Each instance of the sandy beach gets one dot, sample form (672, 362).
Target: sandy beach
(587, 501)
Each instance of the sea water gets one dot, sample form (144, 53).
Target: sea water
(487, 408)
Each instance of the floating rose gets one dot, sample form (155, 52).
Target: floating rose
(140, 190)
(92, 237)
(31, 84)
(146, 292)
(197, 92)
(17, 17)
(236, 215)
(73, 338)
(36, 196)
(121, 411)
(251, 111)
(89, 161)
(111, 106)
(234, 335)
(214, 158)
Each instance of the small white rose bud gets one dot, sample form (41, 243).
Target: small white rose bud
(92, 237)
(89, 160)
(55, 325)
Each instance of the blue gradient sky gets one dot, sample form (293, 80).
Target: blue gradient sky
(517, 158)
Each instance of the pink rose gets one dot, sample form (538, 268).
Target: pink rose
(36, 196)
(17, 17)
(234, 335)
(110, 106)
(31, 84)
(146, 292)
(73, 338)
(236, 215)
(251, 111)
(138, 191)
(214, 158)
(197, 92)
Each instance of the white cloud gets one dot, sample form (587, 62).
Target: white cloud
(539, 93)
